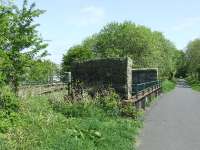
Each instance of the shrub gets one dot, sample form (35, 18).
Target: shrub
(168, 85)
(194, 83)
(109, 101)
(73, 108)
(9, 106)
(129, 110)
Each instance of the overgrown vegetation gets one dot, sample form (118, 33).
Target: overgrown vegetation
(51, 122)
(196, 86)
(192, 57)
(9, 106)
(194, 83)
(168, 85)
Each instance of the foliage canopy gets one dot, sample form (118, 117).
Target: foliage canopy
(147, 48)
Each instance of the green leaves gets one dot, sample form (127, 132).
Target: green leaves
(9, 105)
(19, 40)
(146, 48)
(76, 53)
(41, 71)
(193, 57)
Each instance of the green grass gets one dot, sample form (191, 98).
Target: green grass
(50, 123)
(168, 85)
(196, 86)
(47, 125)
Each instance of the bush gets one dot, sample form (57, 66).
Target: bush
(191, 80)
(168, 85)
(129, 110)
(105, 102)
(194, 83)
(9, 106)
(109, 101)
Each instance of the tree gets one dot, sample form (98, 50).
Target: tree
(20, 41)
(78, 53)
(181, 65)
(193, 58)
(146, 48)
(42, 71)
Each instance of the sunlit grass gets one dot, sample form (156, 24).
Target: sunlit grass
(41, 126)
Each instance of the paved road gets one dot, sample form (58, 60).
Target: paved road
(173, 123)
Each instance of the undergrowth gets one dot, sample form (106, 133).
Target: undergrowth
(194, 83)
(168, 85)
(51, 122)
(9, 107)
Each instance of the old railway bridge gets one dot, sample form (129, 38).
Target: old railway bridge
(133, 85)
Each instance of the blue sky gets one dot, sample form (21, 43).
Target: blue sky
(67, 23)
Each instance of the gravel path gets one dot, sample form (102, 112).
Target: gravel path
(173, 123)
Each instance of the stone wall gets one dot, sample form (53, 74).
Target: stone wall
(113, 72)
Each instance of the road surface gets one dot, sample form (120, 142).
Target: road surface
(173, 123)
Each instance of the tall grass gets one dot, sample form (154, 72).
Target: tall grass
(49, 122)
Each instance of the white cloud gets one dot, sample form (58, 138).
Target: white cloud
(91, 15)
(186, 24)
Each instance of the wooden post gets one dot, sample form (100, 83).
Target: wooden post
(143, 103)
(137, 105)
(150, 97)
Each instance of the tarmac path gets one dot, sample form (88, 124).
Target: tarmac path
(173, 123)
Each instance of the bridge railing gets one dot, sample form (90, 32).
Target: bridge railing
(142, 86)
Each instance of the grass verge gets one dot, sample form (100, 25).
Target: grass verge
(57, 125)
(168, 85)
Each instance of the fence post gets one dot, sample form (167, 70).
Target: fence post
(143, 103)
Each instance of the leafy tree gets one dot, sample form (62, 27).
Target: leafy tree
(181, 65)
(78, 53)
(146, 48)
(42, 71)
(193, 58)
(20, 41)
(123, 39)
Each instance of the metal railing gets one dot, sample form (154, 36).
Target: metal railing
(142, 86)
